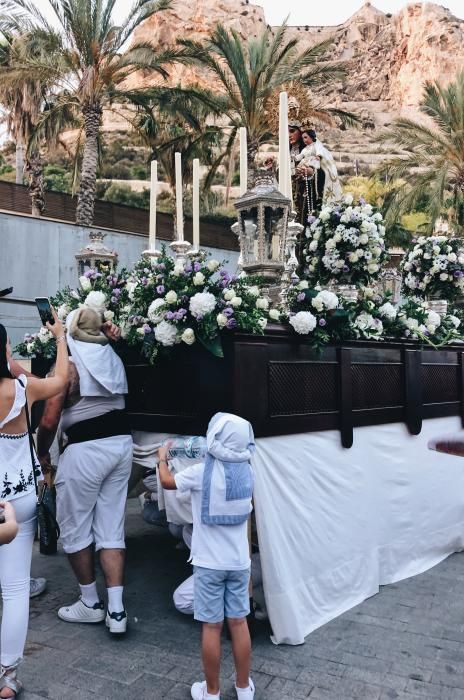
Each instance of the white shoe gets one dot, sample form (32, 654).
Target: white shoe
(200, 692)
(246, 693)
(116, 622)
(80, 612)
(38, 586)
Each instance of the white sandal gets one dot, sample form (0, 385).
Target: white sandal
(8, 679)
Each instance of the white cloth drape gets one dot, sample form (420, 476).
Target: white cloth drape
(334, 523)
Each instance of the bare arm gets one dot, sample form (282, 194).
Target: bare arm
(8, 529)
(51, 417)
(16, 369)
(166, 478)
(40, 389)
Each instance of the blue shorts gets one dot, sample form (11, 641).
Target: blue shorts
(218, 594)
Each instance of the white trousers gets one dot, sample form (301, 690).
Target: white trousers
(91, 493)
(15, 576)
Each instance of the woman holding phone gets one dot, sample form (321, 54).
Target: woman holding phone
(17, 487)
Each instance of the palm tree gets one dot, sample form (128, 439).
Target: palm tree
(176, 119)
(431, 165)
(249, 73)
(88, 66)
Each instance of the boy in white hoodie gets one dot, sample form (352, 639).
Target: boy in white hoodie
(221, 491)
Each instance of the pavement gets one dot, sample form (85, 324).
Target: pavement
(406, 642)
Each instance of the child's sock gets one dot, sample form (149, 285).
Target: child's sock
(208, 696)
(89, 594)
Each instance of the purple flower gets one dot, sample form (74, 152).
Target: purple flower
(188, 269)
(228, 311)
(114, 300)
(170, 315)
(362, 201)
(197, 267)
(301, 296)
(457, 273)
(223, 272)
(322, 322)
(88, 274)
(346, 268)
(161, 266)
(146, 328)
(311, 219)
(160, 289)
(116, 292)
(144, 281)
(231, 323)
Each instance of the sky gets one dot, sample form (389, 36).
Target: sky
(302, 11)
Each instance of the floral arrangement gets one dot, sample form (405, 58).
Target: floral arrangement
(346, 244)
(172, 303)
(434, 267)
(161, 303)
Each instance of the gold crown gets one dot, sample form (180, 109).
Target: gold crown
(299, 105)
(307, 123)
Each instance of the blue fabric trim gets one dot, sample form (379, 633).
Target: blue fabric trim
(235, 490)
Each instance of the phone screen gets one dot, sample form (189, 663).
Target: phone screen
(45, 310)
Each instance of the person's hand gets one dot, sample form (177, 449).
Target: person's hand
(111, 330)
(46, 463)
(305, 171)
(57, 328)
(8, 512)
(163, 452)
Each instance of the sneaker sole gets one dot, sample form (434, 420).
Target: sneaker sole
(120, 630)
(81, 622)
(36, 595)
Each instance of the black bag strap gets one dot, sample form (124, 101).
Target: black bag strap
(31, 440)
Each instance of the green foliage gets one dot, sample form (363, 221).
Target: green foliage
(372, 189)
(4, 166)
(57, 179)
(123, 194)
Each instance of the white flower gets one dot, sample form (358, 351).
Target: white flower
(262, 303)
(166, 333)
(443, 276)
(108, 315)
(141, 331)
(431, 328)
(368, 325)
(171, 297)
(202, 303)
(433, 319)
(387, 310)
(262, 322)
(236, 301)
(228, 294)
(364, 239)
(85, 283)
(412, 324)
(95, 300)
(304, 284)
(254, 291)
(155, 311)
(178, 270)
(455, 321)
(372, 267)
(213, 265)
(221, 320)
(274, 314)
(353, 257)
(131, 287)
(377, 216)
(30, 347)
(329, 299)
(303, 322)
(198, 279)
(325, 214)
(330, 244)
(368, 292)
(44, 335)
(62, 311)
(313, 246)
(317, 303)
(348, 199)
(188, 336)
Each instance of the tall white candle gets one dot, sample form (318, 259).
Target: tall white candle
(179, 206)
(153, 192)
(285, 181)
(243, 161)
(196, 203)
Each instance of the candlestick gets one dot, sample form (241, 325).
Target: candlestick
(285, 181)
(179, 206)
(196, 204)
(243, 161)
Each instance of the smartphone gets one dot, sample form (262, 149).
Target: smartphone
(2, 516)
(45, 310)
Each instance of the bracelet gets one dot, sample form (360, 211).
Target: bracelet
(162, 460)
(60, 338)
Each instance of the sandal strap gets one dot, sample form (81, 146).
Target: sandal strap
(8, 677)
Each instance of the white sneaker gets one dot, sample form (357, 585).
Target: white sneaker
(246, 693)
(80, 612)
(200, 692)
(38, 586)
(116, 622)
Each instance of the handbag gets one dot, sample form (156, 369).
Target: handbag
(49, 530)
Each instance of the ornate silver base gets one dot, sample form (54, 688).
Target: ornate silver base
(440, 306)
(348, 292)
(152, 253)
(181, 250)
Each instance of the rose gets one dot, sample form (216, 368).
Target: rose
(455, 321)
(304, 284)
(95, 300)
(62, 311)
(44, 335)
(155, 311)
(388, 311)
(328, 299)
(236, 301)
(262, 303)
(213, 265)
(178, 270)
(433, 319)
(131, 287)
(166, 333)
(85, 283)
(188, 336)
(262, 322)
(171, 297)
(303, 322)
(221, 320)
(228, 294)
(198, 279)
(254, 291)
(348, 199)
(274, 314)
(108, 315)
